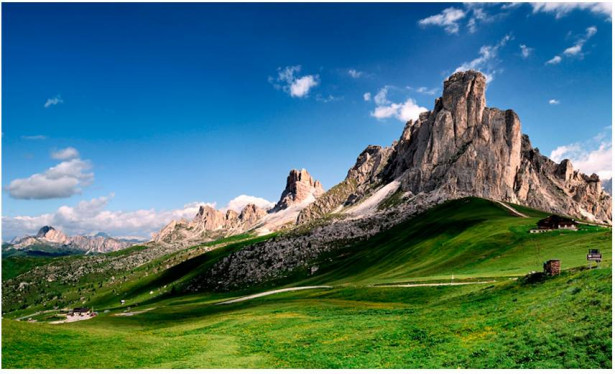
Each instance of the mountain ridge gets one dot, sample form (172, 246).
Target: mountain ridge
(49, 237)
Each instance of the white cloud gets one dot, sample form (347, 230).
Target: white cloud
(576, 50)
(63, 180)
(562, 9)
(525, 50)
(53, 101)
(238, 203)
(367, 96)
(553, 101)
(295, 86)
(448, 19)
(478, 15)
(65, 154)
(301, 86)
(409, 110)
(487, 59)
(34, 137)
(590, 31)
(381, 96)
(427, 91)
(591, 156)
(94, 216)
(355, 73)
(554, 61)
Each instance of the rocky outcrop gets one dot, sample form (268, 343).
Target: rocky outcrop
(463, 148)
(300, 188)
(48, 238)
(51, 235)
(365, 173)
(209, 224)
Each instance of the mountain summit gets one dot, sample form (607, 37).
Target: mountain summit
(463, 148)
(300, 188)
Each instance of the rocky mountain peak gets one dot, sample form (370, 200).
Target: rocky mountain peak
(50, 234)
(463, 148)
(43, 231)
(300, 188)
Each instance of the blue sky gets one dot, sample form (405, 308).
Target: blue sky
(119, 117)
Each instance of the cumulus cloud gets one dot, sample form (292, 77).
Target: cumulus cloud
(562, 9)
(487, 60)
(289, 81)
(65, 154)
(63, 180)
(238, 203)
(53, 101)
(93, 216)
(448, 19)
(591, 156)
(553, 101)
(367, 96)
(525, 51)
(355, 73)
(554, 61)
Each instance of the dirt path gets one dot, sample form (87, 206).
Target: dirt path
(435, 284)
(512, 210)
(270, 293)
(37, 313)
(129, 314)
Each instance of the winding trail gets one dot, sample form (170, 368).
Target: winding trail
(435, 284)
(270, 293)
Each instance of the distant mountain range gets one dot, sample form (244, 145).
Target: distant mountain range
(49, 241)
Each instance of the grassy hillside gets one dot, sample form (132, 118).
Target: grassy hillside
(466, 238)
(564, 321)
(521, 322)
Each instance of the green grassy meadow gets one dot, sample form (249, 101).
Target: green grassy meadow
(518, 321)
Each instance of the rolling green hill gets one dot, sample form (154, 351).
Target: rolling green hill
(517, 321)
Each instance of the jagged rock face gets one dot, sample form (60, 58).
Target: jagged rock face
(462, 148)
(366, 171)
(553, 187)
(210, 223)
(300, 187)
(251, 214)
